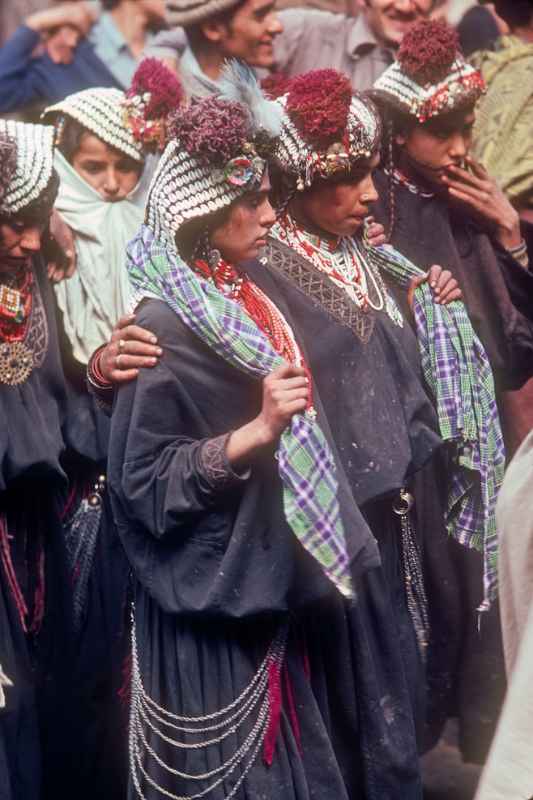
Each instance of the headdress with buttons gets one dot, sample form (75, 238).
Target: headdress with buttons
(327, 128)
(430, 76)
(28, 151)
(135, 122)
(217, 153)
(100, 111)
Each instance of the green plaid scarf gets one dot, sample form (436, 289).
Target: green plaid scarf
(458, 373)
(305, 462)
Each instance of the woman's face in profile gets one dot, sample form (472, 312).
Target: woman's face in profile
(243, 233)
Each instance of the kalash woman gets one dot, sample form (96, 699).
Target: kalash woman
(107, 146)
(274, 652)
(325, 157)
(56, 670)
(436, 201)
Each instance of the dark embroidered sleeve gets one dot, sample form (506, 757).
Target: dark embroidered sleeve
(214, 464)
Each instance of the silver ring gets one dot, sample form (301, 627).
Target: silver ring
(121, 345)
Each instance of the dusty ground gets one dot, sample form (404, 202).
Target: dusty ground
(446, 777)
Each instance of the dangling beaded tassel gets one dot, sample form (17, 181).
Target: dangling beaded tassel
(274, 697)
(412, 570)
(81, 535)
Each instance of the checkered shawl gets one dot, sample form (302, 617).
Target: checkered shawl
(305, 462)
(457, 371)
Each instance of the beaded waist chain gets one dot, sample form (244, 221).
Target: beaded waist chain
(153, 727)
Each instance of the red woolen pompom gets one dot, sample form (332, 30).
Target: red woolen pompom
(276, 85)
(213, 130)
(318, 103)
(154, 78)
(427, 51)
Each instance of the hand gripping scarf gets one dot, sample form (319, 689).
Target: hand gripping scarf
(305, 462)
(457, 371)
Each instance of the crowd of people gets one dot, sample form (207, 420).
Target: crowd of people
(266, 385)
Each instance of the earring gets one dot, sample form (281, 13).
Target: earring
(212, 255)
(205, 252)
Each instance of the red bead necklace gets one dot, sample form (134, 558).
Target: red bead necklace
(259, 307)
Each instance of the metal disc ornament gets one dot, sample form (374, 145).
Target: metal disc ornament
(16, 363)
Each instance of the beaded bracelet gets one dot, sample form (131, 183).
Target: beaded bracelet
(94, 373)
(520, 254)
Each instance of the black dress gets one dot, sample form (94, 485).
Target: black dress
(53, 444)
(466, 669)
(221, 578)
(496, 290)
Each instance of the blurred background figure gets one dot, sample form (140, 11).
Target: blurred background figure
(479, 27)
(503, 143)
(358, 38)
(502, 134)
(509, 770)
(360, 43)
(204, 34)
(74, 46)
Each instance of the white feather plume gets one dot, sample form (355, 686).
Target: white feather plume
(239, 84)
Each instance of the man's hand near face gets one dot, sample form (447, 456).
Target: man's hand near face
(62, 26)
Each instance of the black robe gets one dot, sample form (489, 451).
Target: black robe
(497, 291)
(219, 572)
(53, 444)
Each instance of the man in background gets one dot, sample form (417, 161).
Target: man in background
(361, 43)
(73, 46)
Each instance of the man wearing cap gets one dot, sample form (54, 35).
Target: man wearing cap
(204, 34)
(360, 44)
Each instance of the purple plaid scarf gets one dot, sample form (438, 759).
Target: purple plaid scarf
(305, 462)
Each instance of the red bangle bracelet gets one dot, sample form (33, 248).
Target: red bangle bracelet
(95, 370)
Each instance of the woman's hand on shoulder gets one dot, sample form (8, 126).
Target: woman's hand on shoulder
(130, 349)
(374, 232)
(62, 262)
(443, 285)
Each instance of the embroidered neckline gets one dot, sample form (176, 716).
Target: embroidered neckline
(401, 180)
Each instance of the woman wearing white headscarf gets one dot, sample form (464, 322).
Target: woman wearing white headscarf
(104, 140)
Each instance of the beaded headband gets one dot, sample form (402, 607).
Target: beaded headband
(32, 167)
(430, 77)
(101, 111)
(216, 154)
(326, 129)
